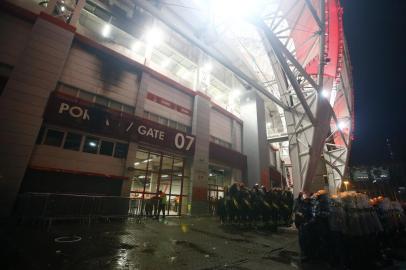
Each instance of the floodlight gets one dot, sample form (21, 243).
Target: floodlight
(235, 9)
(341, 125)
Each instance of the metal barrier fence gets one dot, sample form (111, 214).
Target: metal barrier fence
(137, 207)
(51, 206)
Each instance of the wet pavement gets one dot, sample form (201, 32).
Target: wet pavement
(176, 243)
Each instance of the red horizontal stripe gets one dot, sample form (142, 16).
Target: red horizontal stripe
(169, 104)
(49, 169)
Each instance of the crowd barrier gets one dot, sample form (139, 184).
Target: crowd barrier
(51, 206)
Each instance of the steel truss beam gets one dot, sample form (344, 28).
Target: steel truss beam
(153, 10)
(308, 120)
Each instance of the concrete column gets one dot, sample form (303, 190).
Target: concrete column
(200, 162)
(76, 12)
(255, 144)
(141, 96)
(129, 164)
(234, 131)
(23, 102)
(236, 175)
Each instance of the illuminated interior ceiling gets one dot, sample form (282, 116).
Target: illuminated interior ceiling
(291, 51)
(241, 53)
(311, 32)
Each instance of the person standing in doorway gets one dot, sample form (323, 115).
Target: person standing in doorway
(161, 204)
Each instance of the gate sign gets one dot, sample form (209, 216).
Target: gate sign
(79, 114)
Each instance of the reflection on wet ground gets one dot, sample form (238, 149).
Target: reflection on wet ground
(186, 243)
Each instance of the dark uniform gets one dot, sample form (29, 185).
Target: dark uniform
(304, 218)
(161, 204)
(321, 226)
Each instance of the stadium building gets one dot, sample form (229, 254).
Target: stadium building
(120, 99)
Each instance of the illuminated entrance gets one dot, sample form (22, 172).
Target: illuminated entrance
(154, 172)
(219, 178)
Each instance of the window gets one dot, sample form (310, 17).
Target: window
(72, 141)
(115, 105)
(106, 148)
(101, 101)
(121, 150)
(40, 135)
(220, 142)
(54, 137)
(3, 82)
(173, 124)
(163, 121)
(166, 122)
(153, 117)
(68, 90)
(182, 127)
(5, 72)
(90, 97)
(86, 96)
(128, 109)
(91, 145)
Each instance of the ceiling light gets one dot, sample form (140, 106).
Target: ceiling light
(207, 67)
(136, 163)
(165, 63)
(235, 93)
(135, 46)
(185, 74)
(106, 30)
(154, 36)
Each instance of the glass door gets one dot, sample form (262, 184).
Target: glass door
(155, 173)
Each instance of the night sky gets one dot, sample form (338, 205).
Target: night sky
(376, 35)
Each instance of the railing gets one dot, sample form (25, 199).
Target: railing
(51, 206)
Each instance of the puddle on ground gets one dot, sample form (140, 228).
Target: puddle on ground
(221, 236)
(230, 266)
(194, 247)
(283, 256)
(148, 250)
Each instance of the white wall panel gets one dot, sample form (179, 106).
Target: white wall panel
(89, 72)
(220, 125)
(14, 36)
(54, 157)
(171, 94)
(168, 113)
(238, 137)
